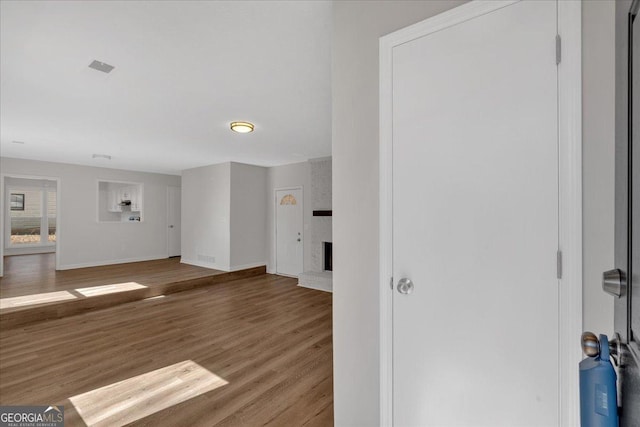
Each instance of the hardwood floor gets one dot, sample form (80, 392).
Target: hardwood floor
(34, 274)
(251, 352)
(77, 291)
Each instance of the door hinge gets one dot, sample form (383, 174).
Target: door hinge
(391, 283)
(558, 49)
(559, 264)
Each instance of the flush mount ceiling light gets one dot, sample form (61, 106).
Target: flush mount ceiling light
(101, 66)
(18, 142)
(242, 127)
(101, 156)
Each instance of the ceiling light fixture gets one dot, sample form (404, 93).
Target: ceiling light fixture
(101, 156)
(18, 142)
(242, 127)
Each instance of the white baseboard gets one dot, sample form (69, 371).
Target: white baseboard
(316, 287)
(293, 276)
(110, 262)
(212, 265)
(30, 250)
(247, 266)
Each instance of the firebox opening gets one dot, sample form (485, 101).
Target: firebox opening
(328, 256)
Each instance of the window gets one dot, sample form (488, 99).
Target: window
(17, 202)
(26, 222)
(52, 210)
(32, 217)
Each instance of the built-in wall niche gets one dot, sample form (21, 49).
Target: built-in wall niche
(119, 201)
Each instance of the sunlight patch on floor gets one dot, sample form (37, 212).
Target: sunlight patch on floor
(138, 397)
(109, 289)
(35, 299)
(152, 298)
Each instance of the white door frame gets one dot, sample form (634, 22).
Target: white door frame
(2, 213)
(275, 224)
(570, 192)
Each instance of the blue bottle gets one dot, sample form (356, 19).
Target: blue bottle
(598, 396)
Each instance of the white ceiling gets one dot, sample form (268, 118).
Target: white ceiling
(184, 71)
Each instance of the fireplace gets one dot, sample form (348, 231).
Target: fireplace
(328, 255)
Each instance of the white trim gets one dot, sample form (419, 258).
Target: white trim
(570, 214)
(213, 266)
(226, 269)
(315, 288)
(166, 225)
(31, 250)
(110, 262)
(319, 159)
(248, 266)
(570, 181)
(59, 209)
(386, 230)
(275, 226)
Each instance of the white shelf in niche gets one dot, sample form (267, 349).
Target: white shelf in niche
(120, 201)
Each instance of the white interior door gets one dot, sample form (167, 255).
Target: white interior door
(475, 222)
(174, 209)
(289, 232)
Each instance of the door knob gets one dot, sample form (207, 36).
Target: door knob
(405, 286)
(298, 239)
(591, 346)
(613, 282)
(171, 226)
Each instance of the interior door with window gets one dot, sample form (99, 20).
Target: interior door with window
(289, 222)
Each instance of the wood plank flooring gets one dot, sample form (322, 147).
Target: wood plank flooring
(34, 274)
(258, 351)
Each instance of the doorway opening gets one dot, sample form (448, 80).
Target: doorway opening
(328, 256)
(30, 216)
(30, 221)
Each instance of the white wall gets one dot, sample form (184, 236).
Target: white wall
(248, 216)
(82, 241)
(357, 27)
(205, 222)
(293, 175)
(598, 143)
(224, 216)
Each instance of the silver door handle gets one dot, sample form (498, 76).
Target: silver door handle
(405, 286)
(614, 283)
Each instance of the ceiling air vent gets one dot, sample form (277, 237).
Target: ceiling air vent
(101, 66)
